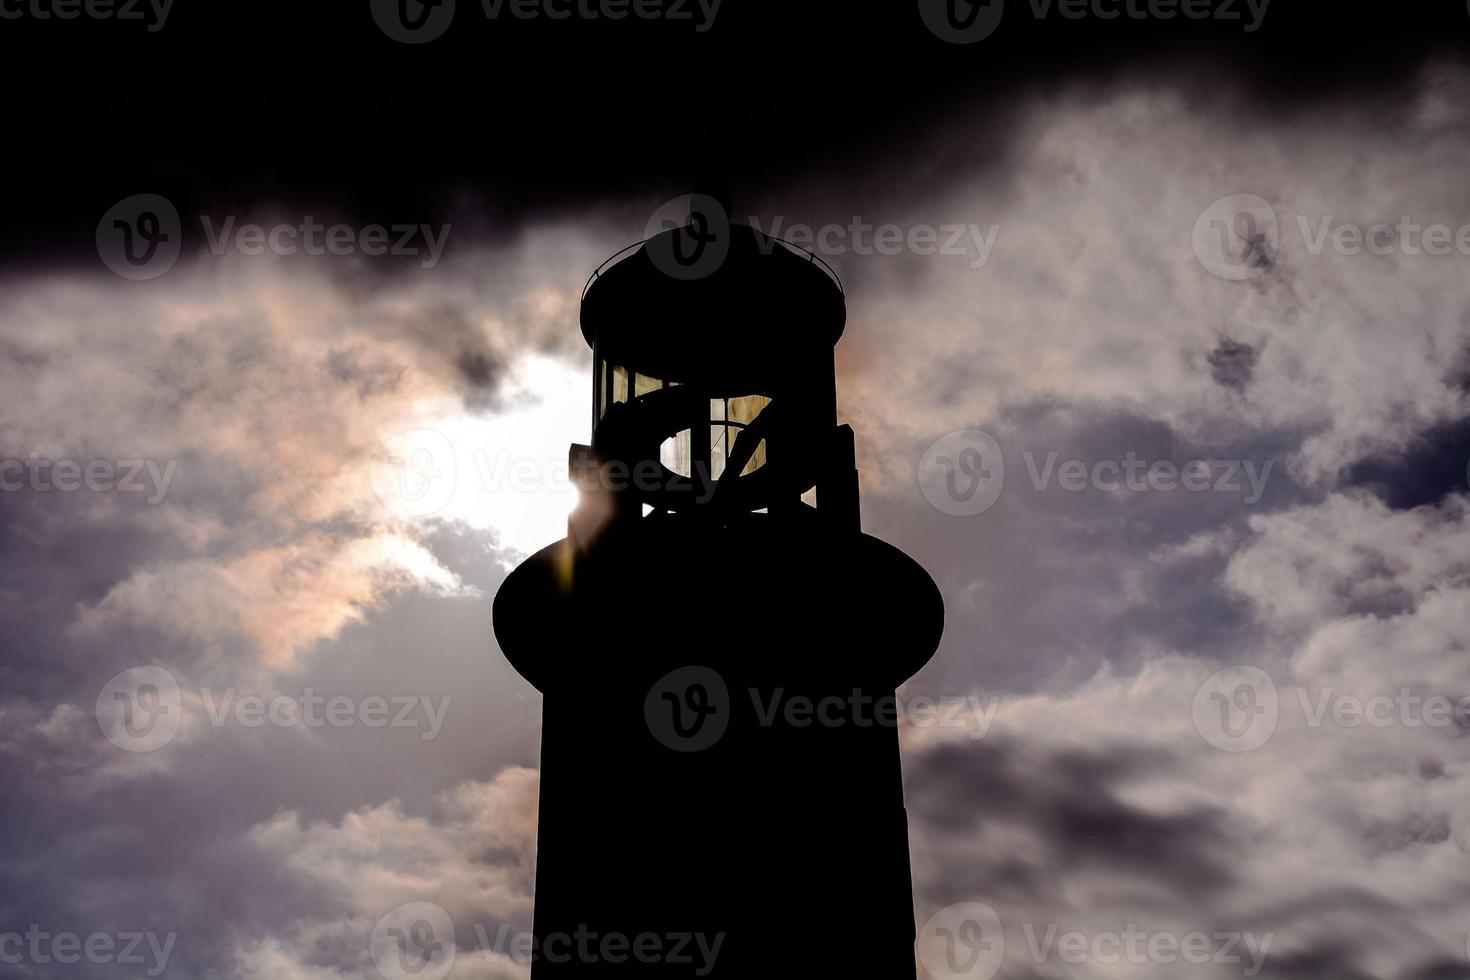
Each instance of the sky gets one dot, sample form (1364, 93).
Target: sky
(1157, 362)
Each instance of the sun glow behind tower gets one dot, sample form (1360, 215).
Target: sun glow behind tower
(499, 471)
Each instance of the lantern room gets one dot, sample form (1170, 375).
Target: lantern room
(713, 378)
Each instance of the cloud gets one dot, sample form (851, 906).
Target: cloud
(1102, 805)
(1094, 297)
(282, 599)
(260, 395)
(271, 563)
(265, 565)
(474, 857)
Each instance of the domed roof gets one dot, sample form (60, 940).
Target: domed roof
(688, 297)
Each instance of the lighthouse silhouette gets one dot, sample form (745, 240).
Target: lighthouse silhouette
(717, 641)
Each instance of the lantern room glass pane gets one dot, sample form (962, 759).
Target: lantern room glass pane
(757, 459)
(620, 385)
(728, 417)
(746, 408)
(674, 453)
(643, 384)
(719, 448)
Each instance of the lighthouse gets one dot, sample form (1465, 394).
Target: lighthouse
(716, 640)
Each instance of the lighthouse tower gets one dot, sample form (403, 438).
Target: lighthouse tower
(717, 641)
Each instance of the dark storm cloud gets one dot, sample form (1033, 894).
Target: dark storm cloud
(1435, 464)
(1069, 801)
(1328, 962)
(1231, 363)
(1050, 581)
(1441, 970)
